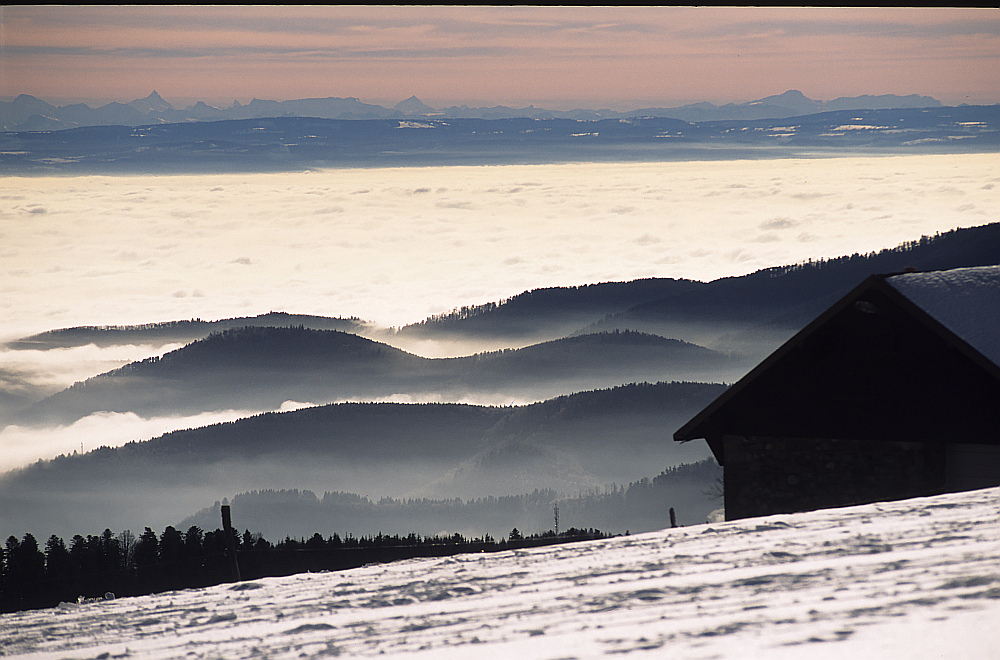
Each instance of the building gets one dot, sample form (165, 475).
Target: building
(893, 392)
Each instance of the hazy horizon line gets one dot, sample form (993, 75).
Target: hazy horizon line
(561, 105)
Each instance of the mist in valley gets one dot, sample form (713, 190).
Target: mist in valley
(511, 291)
(570, 445)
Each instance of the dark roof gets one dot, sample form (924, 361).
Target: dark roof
(965, 300)
(875, 365)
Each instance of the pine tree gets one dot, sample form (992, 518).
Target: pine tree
(59, 569)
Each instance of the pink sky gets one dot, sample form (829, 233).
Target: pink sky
(558, 57)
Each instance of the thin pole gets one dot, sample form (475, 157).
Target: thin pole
(227, 528)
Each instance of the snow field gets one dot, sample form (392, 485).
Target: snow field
(917, 579)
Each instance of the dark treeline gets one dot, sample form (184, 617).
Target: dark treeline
(34, 576)
(176, 331)
(639, 506)
(797, 293)
(760, 295)
(112, 565)
(530, 307)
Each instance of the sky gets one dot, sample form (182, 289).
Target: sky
(556, 57)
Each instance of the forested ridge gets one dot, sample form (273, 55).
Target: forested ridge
(643, 505)
(425, 428)
(435, 450)
(183, 331)
(758, 296)
(576, 307)
(794, 294)
(123, 564)
(523, 312)
(291, 347)
(260, 367)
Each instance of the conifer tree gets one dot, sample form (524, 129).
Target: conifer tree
(58, 562)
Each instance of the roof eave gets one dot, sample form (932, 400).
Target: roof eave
(693, 431)
(697, 428)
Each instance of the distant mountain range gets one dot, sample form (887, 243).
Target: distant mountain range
(289, 143)
(28, 113)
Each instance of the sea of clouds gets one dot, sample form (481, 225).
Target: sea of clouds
(394, 246)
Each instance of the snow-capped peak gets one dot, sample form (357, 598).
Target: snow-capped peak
(152, 103)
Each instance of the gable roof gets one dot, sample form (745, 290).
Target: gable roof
(877, 365)
(965, 300)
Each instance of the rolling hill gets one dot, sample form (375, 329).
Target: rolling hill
(259, 368)
(749, 314)
(742, 317)
(781, 298)
(372, 449)
(176, 332)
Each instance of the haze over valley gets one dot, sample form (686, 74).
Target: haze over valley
(339, 336)
(391, 314)
(485, 286)
(314, 304)
(584, 351)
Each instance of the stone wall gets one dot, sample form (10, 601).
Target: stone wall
(764, 476)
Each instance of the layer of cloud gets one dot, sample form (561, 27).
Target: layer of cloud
(23, 445)
(133, 250)
(217, 246)
(30, 375)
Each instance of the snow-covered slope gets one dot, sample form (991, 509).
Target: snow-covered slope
(912, 579)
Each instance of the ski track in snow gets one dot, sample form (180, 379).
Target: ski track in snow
(912, 579)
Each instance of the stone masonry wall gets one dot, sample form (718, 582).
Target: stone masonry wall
(765, 476)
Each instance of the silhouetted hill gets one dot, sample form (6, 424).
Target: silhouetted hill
(259, 368)
(549, 311)
(373, 449)
(569, 437)
(781, 300)
(174, 332)
(250, 368)
(576, 361)
(746, 315)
